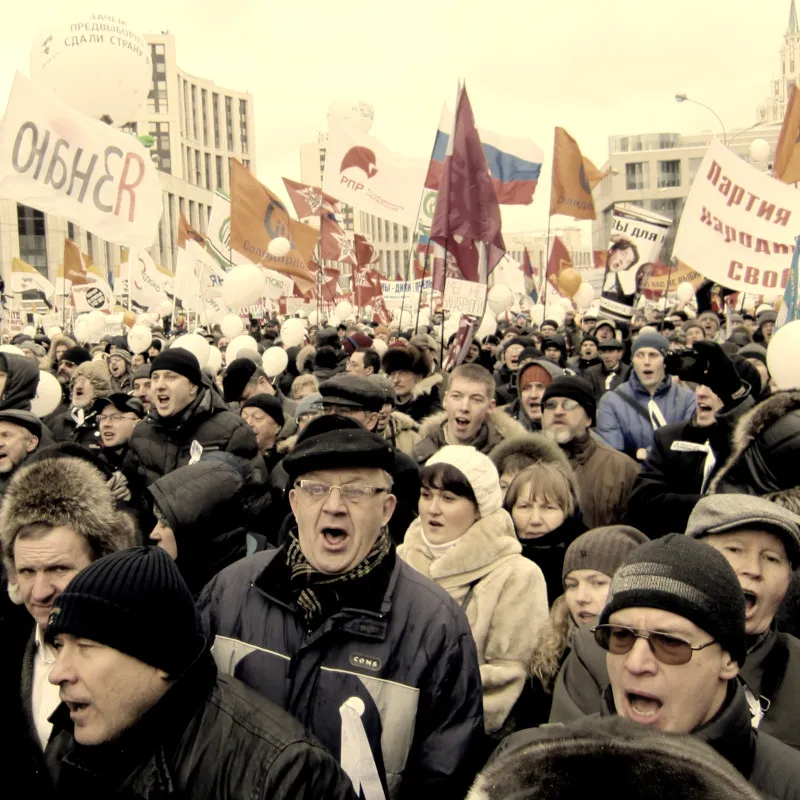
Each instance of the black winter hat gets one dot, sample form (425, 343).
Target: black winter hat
(334, 442)
(355, 391)
(122, 402)
(269, 404)
(238, 374)
(24, 419)
(405, 358)
(76, 355)
(685, 577)
(176, 359)
(575, 388)
(136, 602)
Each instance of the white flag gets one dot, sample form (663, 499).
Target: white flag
(150, 285)
(362, 172)
(57, 160)
(93, 296)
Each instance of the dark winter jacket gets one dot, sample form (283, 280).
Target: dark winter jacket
(498, 426)
(605, 480)
(66, 428)
(22, 380)
(425, 399)
(517, 412)
(205, 506)
(208, 737)
(122, 384)
(770, 765)
(160, 445)
(404, 649)
(672, 478)
(598, 376)
(627, 429)
(580, 366)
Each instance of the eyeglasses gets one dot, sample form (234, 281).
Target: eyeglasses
(66, 363)
(114, 418)
(668, 649)
(567, 404)
(350, 492)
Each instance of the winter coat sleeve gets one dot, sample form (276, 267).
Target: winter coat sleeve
(449, 733)
(304, 771)
(652, 507)
(520, 611)
(609, 423)
(242, 442)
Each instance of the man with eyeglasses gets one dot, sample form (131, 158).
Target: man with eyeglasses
(117, 417)
(372, 657)
(605, 476)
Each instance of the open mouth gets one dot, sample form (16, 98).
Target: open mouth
(462, 423)
(334, 538)
(750, 600)
(645, 708)
(76, 708)
(162, 399)
(704, 407)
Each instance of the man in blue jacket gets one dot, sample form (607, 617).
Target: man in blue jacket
(371, 656)
(628, 417)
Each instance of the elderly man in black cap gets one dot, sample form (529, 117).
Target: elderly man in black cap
(187, 417)
(141, 385)
(611, 371)
(117, 418)
(264, 414)
(20, 434)
(144, 711)
(375, 659)
(244, 379)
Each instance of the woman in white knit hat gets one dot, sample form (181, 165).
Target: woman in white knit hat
(465, 541)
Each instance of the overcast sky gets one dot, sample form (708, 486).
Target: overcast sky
(596, 68)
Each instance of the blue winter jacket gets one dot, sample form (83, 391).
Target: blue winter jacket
(624, 428)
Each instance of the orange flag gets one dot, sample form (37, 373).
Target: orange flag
(257, 217)
(76, 264)
(786, 166)
(571, 188)
(559, 260)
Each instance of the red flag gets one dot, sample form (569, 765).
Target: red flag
(367, 286)
(336, 245)
(365, 252)
(559, 260)
(467, 212)
(311, 201)
(467, 326)
(327, 284)
(380, 313)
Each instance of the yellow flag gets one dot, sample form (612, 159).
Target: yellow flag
(786, 166)
(571, 189)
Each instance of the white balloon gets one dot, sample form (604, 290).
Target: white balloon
(763, 307)
(685, 292)
(195, 344)
(760, 151)
(214, 359)
(344, 310)
(275, 360)
(13, 349)
(565, 303)
(368, 312)
(48, 395)
(313, 317)
(537, 314)
(97, 321)
(379, 346)
(164, 308)
(29, 330)
(232, 325)
(56, 330)
(279, 247)
(584, 296)
(237, 344)
(782, 361)
(487, 327)
(105, 71)
(424, 317)
(243, 285)
(81, 328)
(333, 321)
(139, 338)
(293, 333)
(556, 312)
(500, 298)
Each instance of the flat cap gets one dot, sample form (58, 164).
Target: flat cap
(354, 391)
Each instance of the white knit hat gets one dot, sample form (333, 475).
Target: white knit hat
(480, 472)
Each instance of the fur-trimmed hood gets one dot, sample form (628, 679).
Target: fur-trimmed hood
(498, 421)
(305, 358)
(530, 447)
(286, 445)
(427, 385)
(65, 492)
(402, 422)
(765, 449)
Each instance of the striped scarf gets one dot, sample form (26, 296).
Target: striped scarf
(318, 595)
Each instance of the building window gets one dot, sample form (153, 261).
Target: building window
(209, 182)
(220, 173)
(107, 248)
(215, 113)
(636, 176)
(397, 262)
(386, 223)
(229, 122)
(694, 165)
(405, 234)
(186, 115)
(194, 113)
(71, 231)
(192, 217)
(90, 245)
(243, 124)
(204, 109)
(157, 96)
(198, 175)
(669, 174)
(32, 238)
(395, 233)
(161, 148)
(246, 164)
(131, 127)
(380, 231)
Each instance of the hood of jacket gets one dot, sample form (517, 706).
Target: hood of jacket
(766, 445)
(637, 388)
(500, 425)
(427, 386)
(304, 360)
(532, 447)
(474, 554)
(402, 422)
(22, 380)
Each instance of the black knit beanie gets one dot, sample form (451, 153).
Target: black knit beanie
(76, 355)
(176, 359)
(575, 388)
(687, 578)
(136, 602)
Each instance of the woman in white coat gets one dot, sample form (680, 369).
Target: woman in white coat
(465, 541)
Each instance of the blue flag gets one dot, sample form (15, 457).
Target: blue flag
(790, 310)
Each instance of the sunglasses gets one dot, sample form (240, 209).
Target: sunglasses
(668, 649)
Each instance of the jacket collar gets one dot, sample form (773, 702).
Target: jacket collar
(580, 450)
(638, 388)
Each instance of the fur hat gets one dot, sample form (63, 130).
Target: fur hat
(98, 375)
(76, 355)
(66, 492)
(517, 452)
(410, 359)
(479, 471)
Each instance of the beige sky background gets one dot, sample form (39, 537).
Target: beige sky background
(595, 68)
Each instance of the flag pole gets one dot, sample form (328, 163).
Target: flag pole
(546, 259)
(422, 285)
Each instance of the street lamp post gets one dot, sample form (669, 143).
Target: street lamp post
(682, 98)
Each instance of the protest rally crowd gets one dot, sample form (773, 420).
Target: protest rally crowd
(366, 576)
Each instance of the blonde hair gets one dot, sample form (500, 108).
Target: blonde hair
(302, 382)
(551, 642)
(548, 481)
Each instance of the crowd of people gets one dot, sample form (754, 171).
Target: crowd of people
(367, 577)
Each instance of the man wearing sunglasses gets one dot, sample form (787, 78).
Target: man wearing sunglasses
(371, 656)
(605, 475)
(674, 631)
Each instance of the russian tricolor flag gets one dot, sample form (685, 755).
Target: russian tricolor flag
(514, 164)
